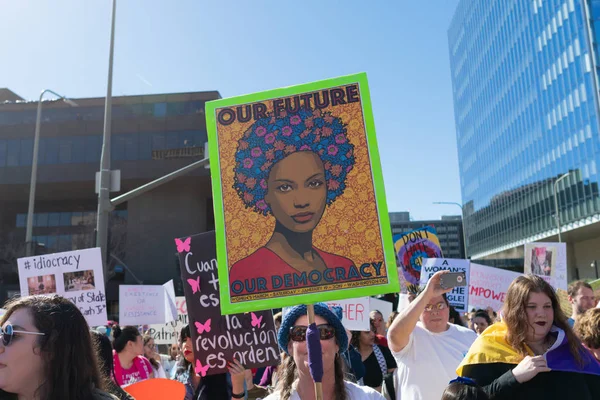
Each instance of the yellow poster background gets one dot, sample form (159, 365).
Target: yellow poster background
(349, 227)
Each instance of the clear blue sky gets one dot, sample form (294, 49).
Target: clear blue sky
(239, 47)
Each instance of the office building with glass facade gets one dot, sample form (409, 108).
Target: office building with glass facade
(152, 135)
(525, 89)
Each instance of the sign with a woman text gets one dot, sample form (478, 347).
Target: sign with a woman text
(459, 296)
(300, 212)
(548, 260)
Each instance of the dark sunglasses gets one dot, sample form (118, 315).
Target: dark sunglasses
(298, 333)
(8, 332)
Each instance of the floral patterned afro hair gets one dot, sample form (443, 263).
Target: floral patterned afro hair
(269, 140)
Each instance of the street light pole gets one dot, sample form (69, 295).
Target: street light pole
(104, 186)
(34, 164)
(557, 214)
(463, 221)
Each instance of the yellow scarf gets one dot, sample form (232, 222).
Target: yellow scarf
(491, 347)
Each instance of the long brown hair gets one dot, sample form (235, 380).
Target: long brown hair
(152, 360)
(287, 375)
(70, 361)
(515, 315)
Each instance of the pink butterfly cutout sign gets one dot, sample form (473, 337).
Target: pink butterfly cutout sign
(202, 370)
(183, 245)
(194, 284)
(201, 328)
(256, 320)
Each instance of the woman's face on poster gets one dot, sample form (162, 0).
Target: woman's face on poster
(541, 256)
(297, 191)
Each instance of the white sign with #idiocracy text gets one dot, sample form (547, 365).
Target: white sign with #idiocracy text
(76, 275)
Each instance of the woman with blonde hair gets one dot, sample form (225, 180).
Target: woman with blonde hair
(532, 353)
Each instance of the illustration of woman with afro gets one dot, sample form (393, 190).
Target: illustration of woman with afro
(291, 167)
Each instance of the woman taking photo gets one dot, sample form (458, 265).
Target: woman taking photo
(211, 387)
(294, 381)
(46, 352)
(377, 359)
(533, 353)
(129, 363)
(152, 356)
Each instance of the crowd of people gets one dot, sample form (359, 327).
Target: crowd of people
(527, 350)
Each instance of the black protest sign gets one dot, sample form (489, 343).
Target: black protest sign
(249, 338)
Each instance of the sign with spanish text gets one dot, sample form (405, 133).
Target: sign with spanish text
(147, 304)
(548, 260)
(459, 296)
(300, 207)
(168, 333)
(250, 338)
(412, 247)
(355, 313)
(488, 286)
(76, 275)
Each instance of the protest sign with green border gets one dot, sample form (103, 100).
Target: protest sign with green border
(298, 193)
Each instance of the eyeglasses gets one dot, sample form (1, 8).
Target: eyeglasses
(436, 307)
(8, 332)
(298, 333)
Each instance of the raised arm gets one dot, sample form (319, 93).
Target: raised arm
(400, 330)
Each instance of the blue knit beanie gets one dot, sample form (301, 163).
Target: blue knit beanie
(333, 317)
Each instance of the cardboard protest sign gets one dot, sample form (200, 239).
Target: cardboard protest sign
(168, 333)
(403, 302)
(249, 338)
(488, 286)
(147, 304)
(355, 312)
(548, 260)
(384, 307)
(459, 296)
(412, 247)
(298, 191)
(76, 275)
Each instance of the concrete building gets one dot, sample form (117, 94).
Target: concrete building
(152, 135)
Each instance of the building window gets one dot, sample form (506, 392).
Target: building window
(160, 110)
(13, 150)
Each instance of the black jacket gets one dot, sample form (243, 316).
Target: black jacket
(499, 383)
